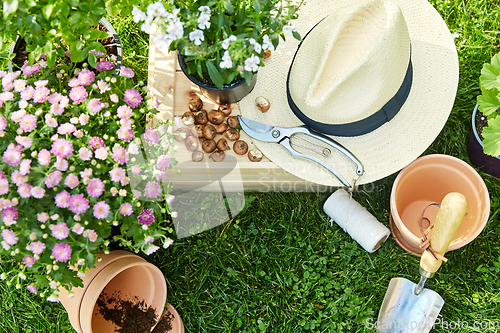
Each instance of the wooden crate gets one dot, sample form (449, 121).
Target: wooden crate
(173, 90)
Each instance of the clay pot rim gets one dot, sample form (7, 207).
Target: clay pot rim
(177, 318)
(402, 227)
(94, 290)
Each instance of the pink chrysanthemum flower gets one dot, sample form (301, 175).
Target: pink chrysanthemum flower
(51, 122)
(30, 70)
(94, 105)
(152, 249)
(9, 78)
(18, 178)
(136, 170)
(43, 217)
(78, 204)
(16, 116)
(90, 234)
(151, 136)
(132, 97)
(9, 216)
(32, 289)
(114, 98)
(101, 153)
(3, 123)
(41, 83)
(152, 190)
(60, 231)
(12, 157)
(62, 148)
(86, 77)
(146, 217)
(44, 157)
(125, 181)
(95, 187)
(9, 237)
(127, 72)
(104, 65)
(4, 186)
(40, 94)
(54, 98)
(86, 173)
(163, 162)
(53, 179)
(62, 252)
(73, 82)
(103, 86)
(19, 85)
(37, 247)
(120, 155)
(126, 122)
(61, 164)
(77, 229)
(66, 128)
(24, 190)
(27, 93)
(71, 181)
(37, 192)
(56, 109)
(124, 112)
(28, 261)
(125, 134)
(126, 209)
(96, 143)
(25, 166)
(78, 94)
(24, 141)
(85, 154)
(101, 210)
(62, 199)
(117, 174)
(28, 123)
(149, 240)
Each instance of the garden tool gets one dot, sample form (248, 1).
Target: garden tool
(408, 307)
(301, 137)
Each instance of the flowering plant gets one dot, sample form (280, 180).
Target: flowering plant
(225, 39)
(70, 147)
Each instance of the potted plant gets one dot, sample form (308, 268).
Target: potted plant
(71, 144)
(484, 143)
(221, 44)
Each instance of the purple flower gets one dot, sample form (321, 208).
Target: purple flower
(78, 204)
(132, 97)
(28, 261)
(53, 179)
(126, 209)
(37, 247)
(101, 210)
(60, 231)
(62, 199)
(127, 72)
(86, 77)
(9, 216)
(78, 94)
(152, 190)
(151, 136)
(163, 162)
(95, 188)
(94, 105)
(32, 289)
(120, 155)
(146, 217)
(152, 249)
(96, 143)
(97, 53)
(9, 237)
(62, 252)
(104, 65)
(62, 148)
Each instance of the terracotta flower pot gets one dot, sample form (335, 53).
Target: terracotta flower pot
(429, 179)
(229, 94)
(119, 271)
(487, 163)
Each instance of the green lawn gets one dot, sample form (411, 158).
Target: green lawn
(280, 267)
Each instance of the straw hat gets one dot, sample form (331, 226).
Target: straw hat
(379, 77)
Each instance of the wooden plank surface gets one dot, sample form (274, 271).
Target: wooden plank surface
(173, 90)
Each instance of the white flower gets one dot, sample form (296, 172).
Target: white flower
(288, 29)
(252, 63)
(197, 36)
(156, 9)
(226, 42)
(455, 35)
(257, 47)
(226, 61)
(205, 10)
(147, 27)
(204, 21)
(138, 15)
(175, 30)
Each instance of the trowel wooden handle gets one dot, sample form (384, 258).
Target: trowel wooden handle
(449, 217)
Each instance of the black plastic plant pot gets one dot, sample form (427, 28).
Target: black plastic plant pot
(478, 158)
(14, 47)
(230, 93)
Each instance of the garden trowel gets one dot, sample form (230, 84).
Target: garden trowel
(409, 307)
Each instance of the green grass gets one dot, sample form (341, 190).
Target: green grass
(280, 266)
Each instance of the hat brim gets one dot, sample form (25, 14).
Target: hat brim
(395, 144)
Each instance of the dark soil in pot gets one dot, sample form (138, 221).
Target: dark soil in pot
(132, 316)
(480, 122)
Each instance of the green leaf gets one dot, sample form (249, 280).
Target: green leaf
(490, 74)
(491, 136)
(92, 59)
(9, 7)
(97, 34)
(47, 11)
(296, 35)
(228, 6)
(488, 101)
(256, 5)
(214, 74)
